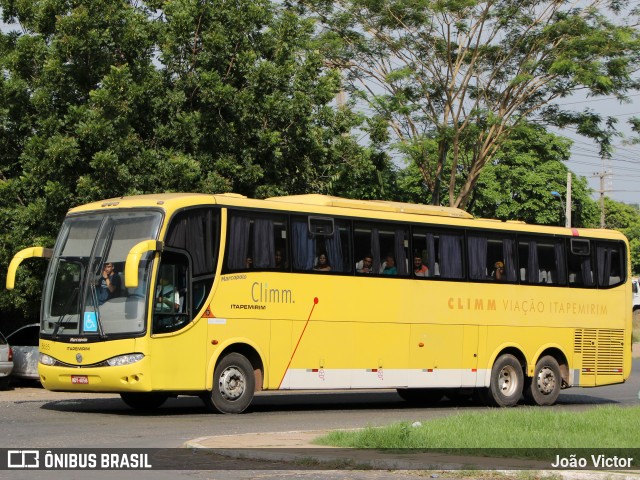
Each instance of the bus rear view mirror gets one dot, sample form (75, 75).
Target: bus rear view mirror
(17, 259)
(133, 260)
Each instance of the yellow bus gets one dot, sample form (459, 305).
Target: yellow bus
(221, 296)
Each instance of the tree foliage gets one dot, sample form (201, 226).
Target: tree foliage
(625, 218)
(447, 81)
(517, 183)
(102, 98)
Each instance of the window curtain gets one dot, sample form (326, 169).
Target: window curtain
(238, 247)
(561, 264)
(431, 254)
(533, 267)
(304, 246)
(509, 252)
(586, 270)
(193, 231)
(603, 256)
(477, 247)
(264, 249)
(401, 255)
(375, 249)
(333, 246)
(451, 256)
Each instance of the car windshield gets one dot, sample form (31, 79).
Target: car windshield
(84, 292)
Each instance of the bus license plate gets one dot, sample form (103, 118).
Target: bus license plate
(79, 379)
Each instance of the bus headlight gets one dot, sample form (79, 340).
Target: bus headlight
(47, 360)
(125, 359)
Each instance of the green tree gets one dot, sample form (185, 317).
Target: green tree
(75, 90)
(452, 79)
(251, 100)
(625, 218)
(106, 98)
(517, 183)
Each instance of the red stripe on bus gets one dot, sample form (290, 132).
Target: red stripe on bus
(315, 302)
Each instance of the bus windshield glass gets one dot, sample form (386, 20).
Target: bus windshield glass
(84, 292)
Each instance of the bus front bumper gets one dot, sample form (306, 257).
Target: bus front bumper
(124, 378)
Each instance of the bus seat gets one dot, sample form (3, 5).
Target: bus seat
(542, 276)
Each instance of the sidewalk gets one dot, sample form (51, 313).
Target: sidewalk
(296, 449)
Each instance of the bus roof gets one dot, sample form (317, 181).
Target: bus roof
(376, 205)
(344, 206)
(309, 199)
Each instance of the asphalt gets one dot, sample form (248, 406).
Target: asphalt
(297, 447)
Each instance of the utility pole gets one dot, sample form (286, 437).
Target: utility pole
(603, 174)
(567, 213)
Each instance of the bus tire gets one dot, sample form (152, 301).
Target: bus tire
(544, 387)
(233, 385)
(143, 401)
(421, 395)
(506, 384)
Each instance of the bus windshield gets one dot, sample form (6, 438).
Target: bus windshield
(84, 291)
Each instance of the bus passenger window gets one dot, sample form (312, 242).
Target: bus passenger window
(492, 257)
(580, 264)
(321, 245)
(386, 244)
(256, 241)
(542, 261)
(609, 256)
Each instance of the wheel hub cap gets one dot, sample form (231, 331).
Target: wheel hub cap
(232, 383)
(546, 381)
(507, 381)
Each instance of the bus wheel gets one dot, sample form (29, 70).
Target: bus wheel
(544, 388)
(507, 381)
(421, 395)
(233, 385)
(144, 401)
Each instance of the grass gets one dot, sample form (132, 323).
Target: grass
(636, 326)
(527, 429)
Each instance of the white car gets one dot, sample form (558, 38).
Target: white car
(24, 342)
(6, 362)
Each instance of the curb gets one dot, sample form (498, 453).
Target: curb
(296, 452)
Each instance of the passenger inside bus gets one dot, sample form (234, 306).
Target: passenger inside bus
(389, 266)
(365, 265)
(419, 268)
(322, 265)
(280, 262)
(498, 271)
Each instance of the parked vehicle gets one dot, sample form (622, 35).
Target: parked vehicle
(6, 362)
(24, 342)
(635, 288)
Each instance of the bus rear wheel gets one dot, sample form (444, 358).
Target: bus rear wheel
(544, 387)
(507, 381)
(143, 401)
(233, 385)
(421, 395)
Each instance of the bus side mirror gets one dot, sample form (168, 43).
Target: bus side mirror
(17, 259)
(133, 260)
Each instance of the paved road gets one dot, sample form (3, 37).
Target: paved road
(35, 418)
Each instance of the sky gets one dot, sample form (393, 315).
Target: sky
(623, 180)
